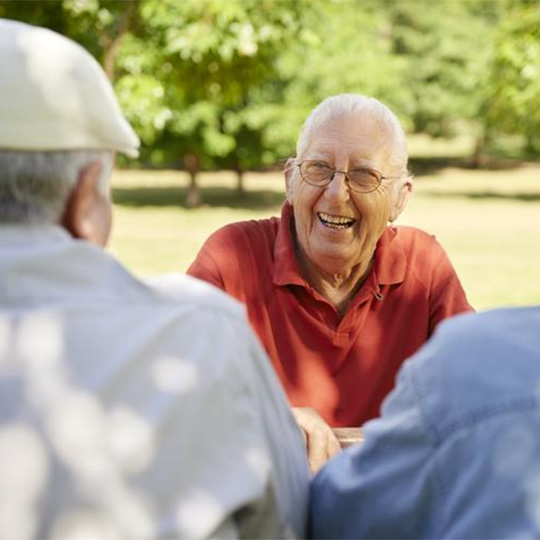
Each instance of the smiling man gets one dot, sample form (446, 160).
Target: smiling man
(338, 296)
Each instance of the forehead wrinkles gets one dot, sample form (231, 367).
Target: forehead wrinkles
(341, 146)
(318, 154)
(355, 125)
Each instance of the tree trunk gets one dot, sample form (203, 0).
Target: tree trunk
(193, 197)
(532, 146)
(240, 190)
(111, 44)
(479, 157)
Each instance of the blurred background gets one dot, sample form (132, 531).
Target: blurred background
(218, 90)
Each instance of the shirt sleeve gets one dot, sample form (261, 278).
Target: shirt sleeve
(385, 488)
(226, 261)
(289, 475)
(249, 472)
(205, 266)
(240, 468)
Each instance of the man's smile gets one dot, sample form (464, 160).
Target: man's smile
(335, 222)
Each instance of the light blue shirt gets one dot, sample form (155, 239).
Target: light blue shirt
(132, 409)
(456, 453)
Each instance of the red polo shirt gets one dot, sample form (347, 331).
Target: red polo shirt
(343, 367)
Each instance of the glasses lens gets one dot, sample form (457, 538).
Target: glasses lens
(364, 180)
(317, 173)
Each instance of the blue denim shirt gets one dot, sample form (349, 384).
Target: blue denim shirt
(456, 452)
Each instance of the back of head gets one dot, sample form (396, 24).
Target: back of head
(364, 109)
(58, 112)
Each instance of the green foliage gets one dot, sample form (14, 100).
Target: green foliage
(446, 47)
(350, 52)
(345, 49)
(227, 83)
(515, 90)
(210, 62)
(48, 14)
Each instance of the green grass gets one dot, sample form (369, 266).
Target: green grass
(153, 231)
(489, 221)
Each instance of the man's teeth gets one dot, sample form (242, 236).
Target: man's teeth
(338, 222)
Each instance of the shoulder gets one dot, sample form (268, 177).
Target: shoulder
(426, 259)
(421, 249)
(107, 280)
(178, 289)
(412, 239)
(493, 330)
(237, 254)
(243, 232)
(479, 364)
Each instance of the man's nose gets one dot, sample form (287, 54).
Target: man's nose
(338, 189)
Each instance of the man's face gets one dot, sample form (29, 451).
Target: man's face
(344, 143)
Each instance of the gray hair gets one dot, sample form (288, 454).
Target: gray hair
(365, 107)
(35, 186)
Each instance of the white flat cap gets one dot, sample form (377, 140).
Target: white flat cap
(55, 96)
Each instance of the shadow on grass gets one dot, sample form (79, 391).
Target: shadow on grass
(214, 196)
(484, 195)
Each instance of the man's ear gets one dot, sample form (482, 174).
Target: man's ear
(401, 198)
(77, 217)
(289, 172)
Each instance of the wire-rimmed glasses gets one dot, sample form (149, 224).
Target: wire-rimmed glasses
(360, 179)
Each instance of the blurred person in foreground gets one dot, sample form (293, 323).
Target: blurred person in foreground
(338, 296)
(127, 409)
(456, 452)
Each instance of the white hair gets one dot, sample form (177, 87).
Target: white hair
(360, 107)
(35, 186)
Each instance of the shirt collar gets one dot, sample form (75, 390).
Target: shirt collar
(286, 270)
(15, 234)
(390, 260)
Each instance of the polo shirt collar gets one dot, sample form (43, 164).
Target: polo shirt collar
(390, 260)
(286, 271)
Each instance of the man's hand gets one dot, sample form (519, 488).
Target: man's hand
(321, 443)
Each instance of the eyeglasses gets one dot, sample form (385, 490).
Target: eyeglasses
(361, 179)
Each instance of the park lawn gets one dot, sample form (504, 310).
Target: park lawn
(488, 221)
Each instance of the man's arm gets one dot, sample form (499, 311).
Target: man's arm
(205, 267)
(288, 472)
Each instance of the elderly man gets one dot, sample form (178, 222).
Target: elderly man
(456, 452)
(126, 409)
(337, 296)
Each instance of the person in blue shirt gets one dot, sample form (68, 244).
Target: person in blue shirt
(456, 452)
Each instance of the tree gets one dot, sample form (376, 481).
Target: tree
(446, 48)
(512, 102)
(347, 50)
(109, 20)
(228, 83)
(201, 67)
